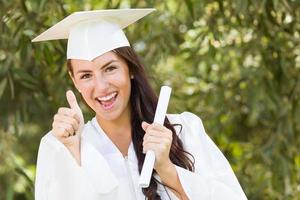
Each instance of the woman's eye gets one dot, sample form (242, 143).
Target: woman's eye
(110, 68)
(85, 76)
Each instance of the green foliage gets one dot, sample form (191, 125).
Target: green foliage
(235, 63)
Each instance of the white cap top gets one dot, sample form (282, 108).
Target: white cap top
(93, 33)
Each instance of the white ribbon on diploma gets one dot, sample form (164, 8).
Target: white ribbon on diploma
(160, 114)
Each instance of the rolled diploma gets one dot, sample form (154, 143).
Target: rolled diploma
(159, 118)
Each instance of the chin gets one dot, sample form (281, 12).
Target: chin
(109, 116)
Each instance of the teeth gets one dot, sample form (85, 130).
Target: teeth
(108, 97)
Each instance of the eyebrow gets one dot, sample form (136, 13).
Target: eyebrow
(106, 64)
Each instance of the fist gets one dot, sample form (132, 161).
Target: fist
(158, 139)
(68, 123)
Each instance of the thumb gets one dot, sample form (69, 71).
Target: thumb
(72, 101)
(74, 106)
(145, 125)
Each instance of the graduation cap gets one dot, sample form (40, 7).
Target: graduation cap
(93, 33)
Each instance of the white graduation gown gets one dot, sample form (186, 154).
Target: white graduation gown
(105, 174)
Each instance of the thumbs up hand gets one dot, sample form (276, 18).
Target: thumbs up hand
(68, 124)
(75, 107)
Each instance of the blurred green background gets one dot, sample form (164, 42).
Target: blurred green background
(235, 63)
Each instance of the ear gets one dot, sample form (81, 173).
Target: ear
(131, 74)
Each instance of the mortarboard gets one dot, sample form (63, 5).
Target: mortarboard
(93, 33)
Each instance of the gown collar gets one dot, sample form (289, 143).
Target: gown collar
(107, 141)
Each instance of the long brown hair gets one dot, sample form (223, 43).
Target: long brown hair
(143, 102)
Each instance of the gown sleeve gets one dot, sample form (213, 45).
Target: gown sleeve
(43, 171)
(213, 178)
(59, 177)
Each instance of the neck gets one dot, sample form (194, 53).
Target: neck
(118, 130)
(115, 127)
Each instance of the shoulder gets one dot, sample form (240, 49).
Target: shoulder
(184, 117)
(189, 122)
(189, 129)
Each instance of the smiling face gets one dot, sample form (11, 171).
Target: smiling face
(104, 84)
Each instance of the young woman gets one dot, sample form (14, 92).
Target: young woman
(103, 158)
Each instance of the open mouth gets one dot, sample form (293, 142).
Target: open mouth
(108, 101)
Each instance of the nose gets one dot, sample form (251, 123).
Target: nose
(101, 84)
